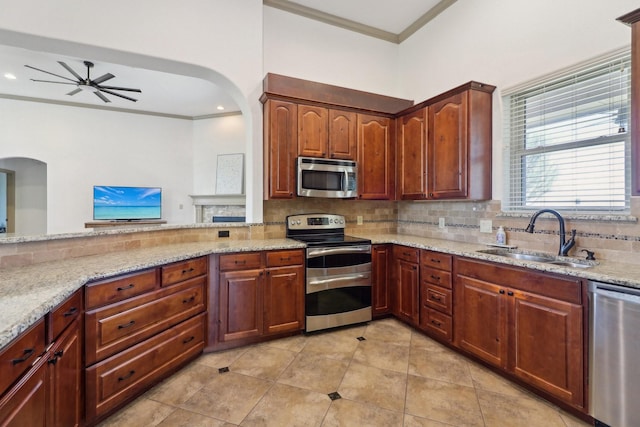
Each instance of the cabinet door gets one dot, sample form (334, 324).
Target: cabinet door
(448, 148)
(241, 304)
(481, 319)
(342, 135)
(376, 158)
(312, 131)
(381, 297)
(280, 136)
(412, 155)
(25, 403)
(546, 347)
(284, 299)
(65, 379)
(408, 298)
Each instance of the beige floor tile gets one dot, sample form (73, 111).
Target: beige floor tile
(375, 386)
(572, 421)
(263, 362)
(413, 421)
(383, 355)
(221, 359)
(182, 385)
(339, 346)
(500, 410)
(442, 401)
(440, 365)
(485, 379)
(347, 413)
(284, 405)
(140, 413)
(229, 397)
(182, 418)
(314, 372)
(420, 340)
(389, 330)
(295, 344)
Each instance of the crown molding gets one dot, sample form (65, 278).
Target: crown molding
(327, 18)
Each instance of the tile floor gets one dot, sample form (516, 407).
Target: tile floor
(394, 377)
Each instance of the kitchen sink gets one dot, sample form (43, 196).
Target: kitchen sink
(538, 257)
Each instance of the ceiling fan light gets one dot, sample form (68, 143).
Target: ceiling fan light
(220, 108)
(88, 88)
(10, 76)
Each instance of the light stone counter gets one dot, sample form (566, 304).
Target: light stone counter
(28, 293)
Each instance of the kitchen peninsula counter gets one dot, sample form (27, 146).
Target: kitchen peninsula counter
(28, 293)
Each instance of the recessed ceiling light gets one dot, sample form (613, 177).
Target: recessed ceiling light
(220, 107)
(9, 76)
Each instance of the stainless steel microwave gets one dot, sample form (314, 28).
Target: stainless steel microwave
(326, 178)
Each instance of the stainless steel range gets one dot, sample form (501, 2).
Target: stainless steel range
(338, 271)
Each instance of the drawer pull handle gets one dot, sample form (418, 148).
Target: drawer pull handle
(188, 271)
(240, 262)
(71, 312)
(285, 259)
(436, 298)
(124, 288)
(188, 300)
(435, 322)
(53, 360)
(188, 340)
(407, 253)
(435, 260)
(435, 277)
(27, 354)
(129, 375)
(126, 325)
(59, 353)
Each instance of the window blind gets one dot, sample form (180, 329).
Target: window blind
(567, 139)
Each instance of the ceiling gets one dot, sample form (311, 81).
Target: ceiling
(191, 98)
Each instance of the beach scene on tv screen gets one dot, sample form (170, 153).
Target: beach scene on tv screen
(126, 203)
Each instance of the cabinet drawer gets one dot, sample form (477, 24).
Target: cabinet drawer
(242, 261)
(123, 287)
(115, 328)
(179, 271)
(436, 277)
(115, 380)
(406, 253)
(64, 314)
(436, 260)
(436, 323)
(20, 354)
(437, 298)
(283, 258)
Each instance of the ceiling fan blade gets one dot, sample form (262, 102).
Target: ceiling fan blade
(69, 69)
(120, 88)
(116, 94)
(50, 81)
(57, 75)
(102, 78)
(73, 92)
(101, 96)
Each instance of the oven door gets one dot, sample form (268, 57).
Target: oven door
(338, 290)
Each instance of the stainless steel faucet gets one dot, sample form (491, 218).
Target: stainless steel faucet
(564, 246)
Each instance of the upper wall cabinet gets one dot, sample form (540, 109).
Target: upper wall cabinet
(444, 148)
(376, 157)
(328, 133)
(280, 148)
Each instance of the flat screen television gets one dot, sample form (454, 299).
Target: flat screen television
(112, 203)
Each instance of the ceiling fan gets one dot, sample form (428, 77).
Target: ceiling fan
(87, 84)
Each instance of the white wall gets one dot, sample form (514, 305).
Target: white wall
(505, 43)
(221, 135)
(85, 147)
(307, 49)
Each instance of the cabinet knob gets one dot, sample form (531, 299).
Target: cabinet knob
(510, 293)
(502, 291)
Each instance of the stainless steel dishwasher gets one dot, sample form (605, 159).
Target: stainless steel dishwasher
(614, 354)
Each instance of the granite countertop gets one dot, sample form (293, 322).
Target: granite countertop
(28, 293)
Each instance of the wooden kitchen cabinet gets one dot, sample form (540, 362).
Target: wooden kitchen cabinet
(407, 281)
(343, 134)
(326, 133)
(380, 289)
(444, 147)
(412, 155)
(280, 149)
(376, 157)
(260, 294)
(436, 294)
(25, 404)
(528, 324)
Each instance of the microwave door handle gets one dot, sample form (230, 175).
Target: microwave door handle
(345, 185)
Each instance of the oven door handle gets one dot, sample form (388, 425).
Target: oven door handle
(338, 279)
(312, 253)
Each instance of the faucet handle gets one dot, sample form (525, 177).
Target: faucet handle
(590, 254)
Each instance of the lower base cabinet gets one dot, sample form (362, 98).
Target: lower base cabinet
(26, 403)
